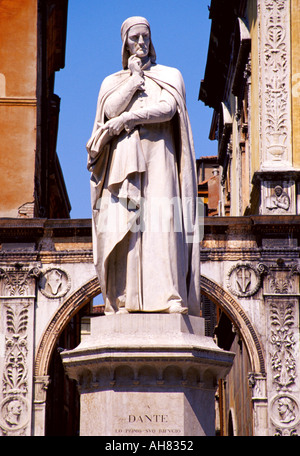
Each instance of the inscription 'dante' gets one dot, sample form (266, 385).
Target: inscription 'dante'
(147, 418)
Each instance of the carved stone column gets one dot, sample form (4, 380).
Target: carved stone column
(275, 58)
(17, 298)
(276, 176)
(281, 293)
(39, 409)
(258, 383)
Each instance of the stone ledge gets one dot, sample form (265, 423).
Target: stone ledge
(142, 339)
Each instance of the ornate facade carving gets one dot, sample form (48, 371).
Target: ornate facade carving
(285, 414)
(282, 303)
(274, 82)
(16, 281)
(40, 388)
(258, 384)
(281, 292)
(237, 314)
(282, 340)
(17, 285)
(282, 280)
(55, 283)
(243, 280)
(14, 406)
(269, 327)
(278, 200)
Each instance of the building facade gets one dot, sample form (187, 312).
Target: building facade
(33, 36)
(250, 247)
(251, 82)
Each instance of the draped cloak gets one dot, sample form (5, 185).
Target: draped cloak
(116, 182)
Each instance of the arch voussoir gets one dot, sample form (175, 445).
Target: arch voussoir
(68, 309)
(92, 288)
(241, 320)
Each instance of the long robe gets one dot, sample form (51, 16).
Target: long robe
(145, 262)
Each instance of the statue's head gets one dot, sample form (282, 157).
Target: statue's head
(136, 39)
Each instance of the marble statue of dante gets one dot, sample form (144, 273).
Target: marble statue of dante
(143, 185)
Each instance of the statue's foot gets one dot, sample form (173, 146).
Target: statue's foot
(122, 310)
(177, 308)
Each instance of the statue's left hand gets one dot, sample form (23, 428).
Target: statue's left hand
(114, 126)
(117, 124)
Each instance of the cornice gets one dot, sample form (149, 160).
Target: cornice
(281, 224)
(38, 227)
(20, 230)
(18, 101)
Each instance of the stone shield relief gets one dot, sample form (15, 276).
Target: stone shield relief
(54, 283)
(243, 280)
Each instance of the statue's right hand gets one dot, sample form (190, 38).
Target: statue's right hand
(135, 65)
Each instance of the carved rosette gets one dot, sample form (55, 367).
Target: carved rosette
(17, 285)
(274, 27)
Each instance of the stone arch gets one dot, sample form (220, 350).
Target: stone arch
(231, 425)
(92, 288)
(68, 309)
(240, 319)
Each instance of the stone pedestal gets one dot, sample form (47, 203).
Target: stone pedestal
(147, 374)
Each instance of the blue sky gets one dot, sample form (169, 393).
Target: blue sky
(180, 32)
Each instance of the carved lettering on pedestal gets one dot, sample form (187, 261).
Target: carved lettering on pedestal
(147, 418)
(148, 424)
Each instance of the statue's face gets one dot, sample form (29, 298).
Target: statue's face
(138, 41)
